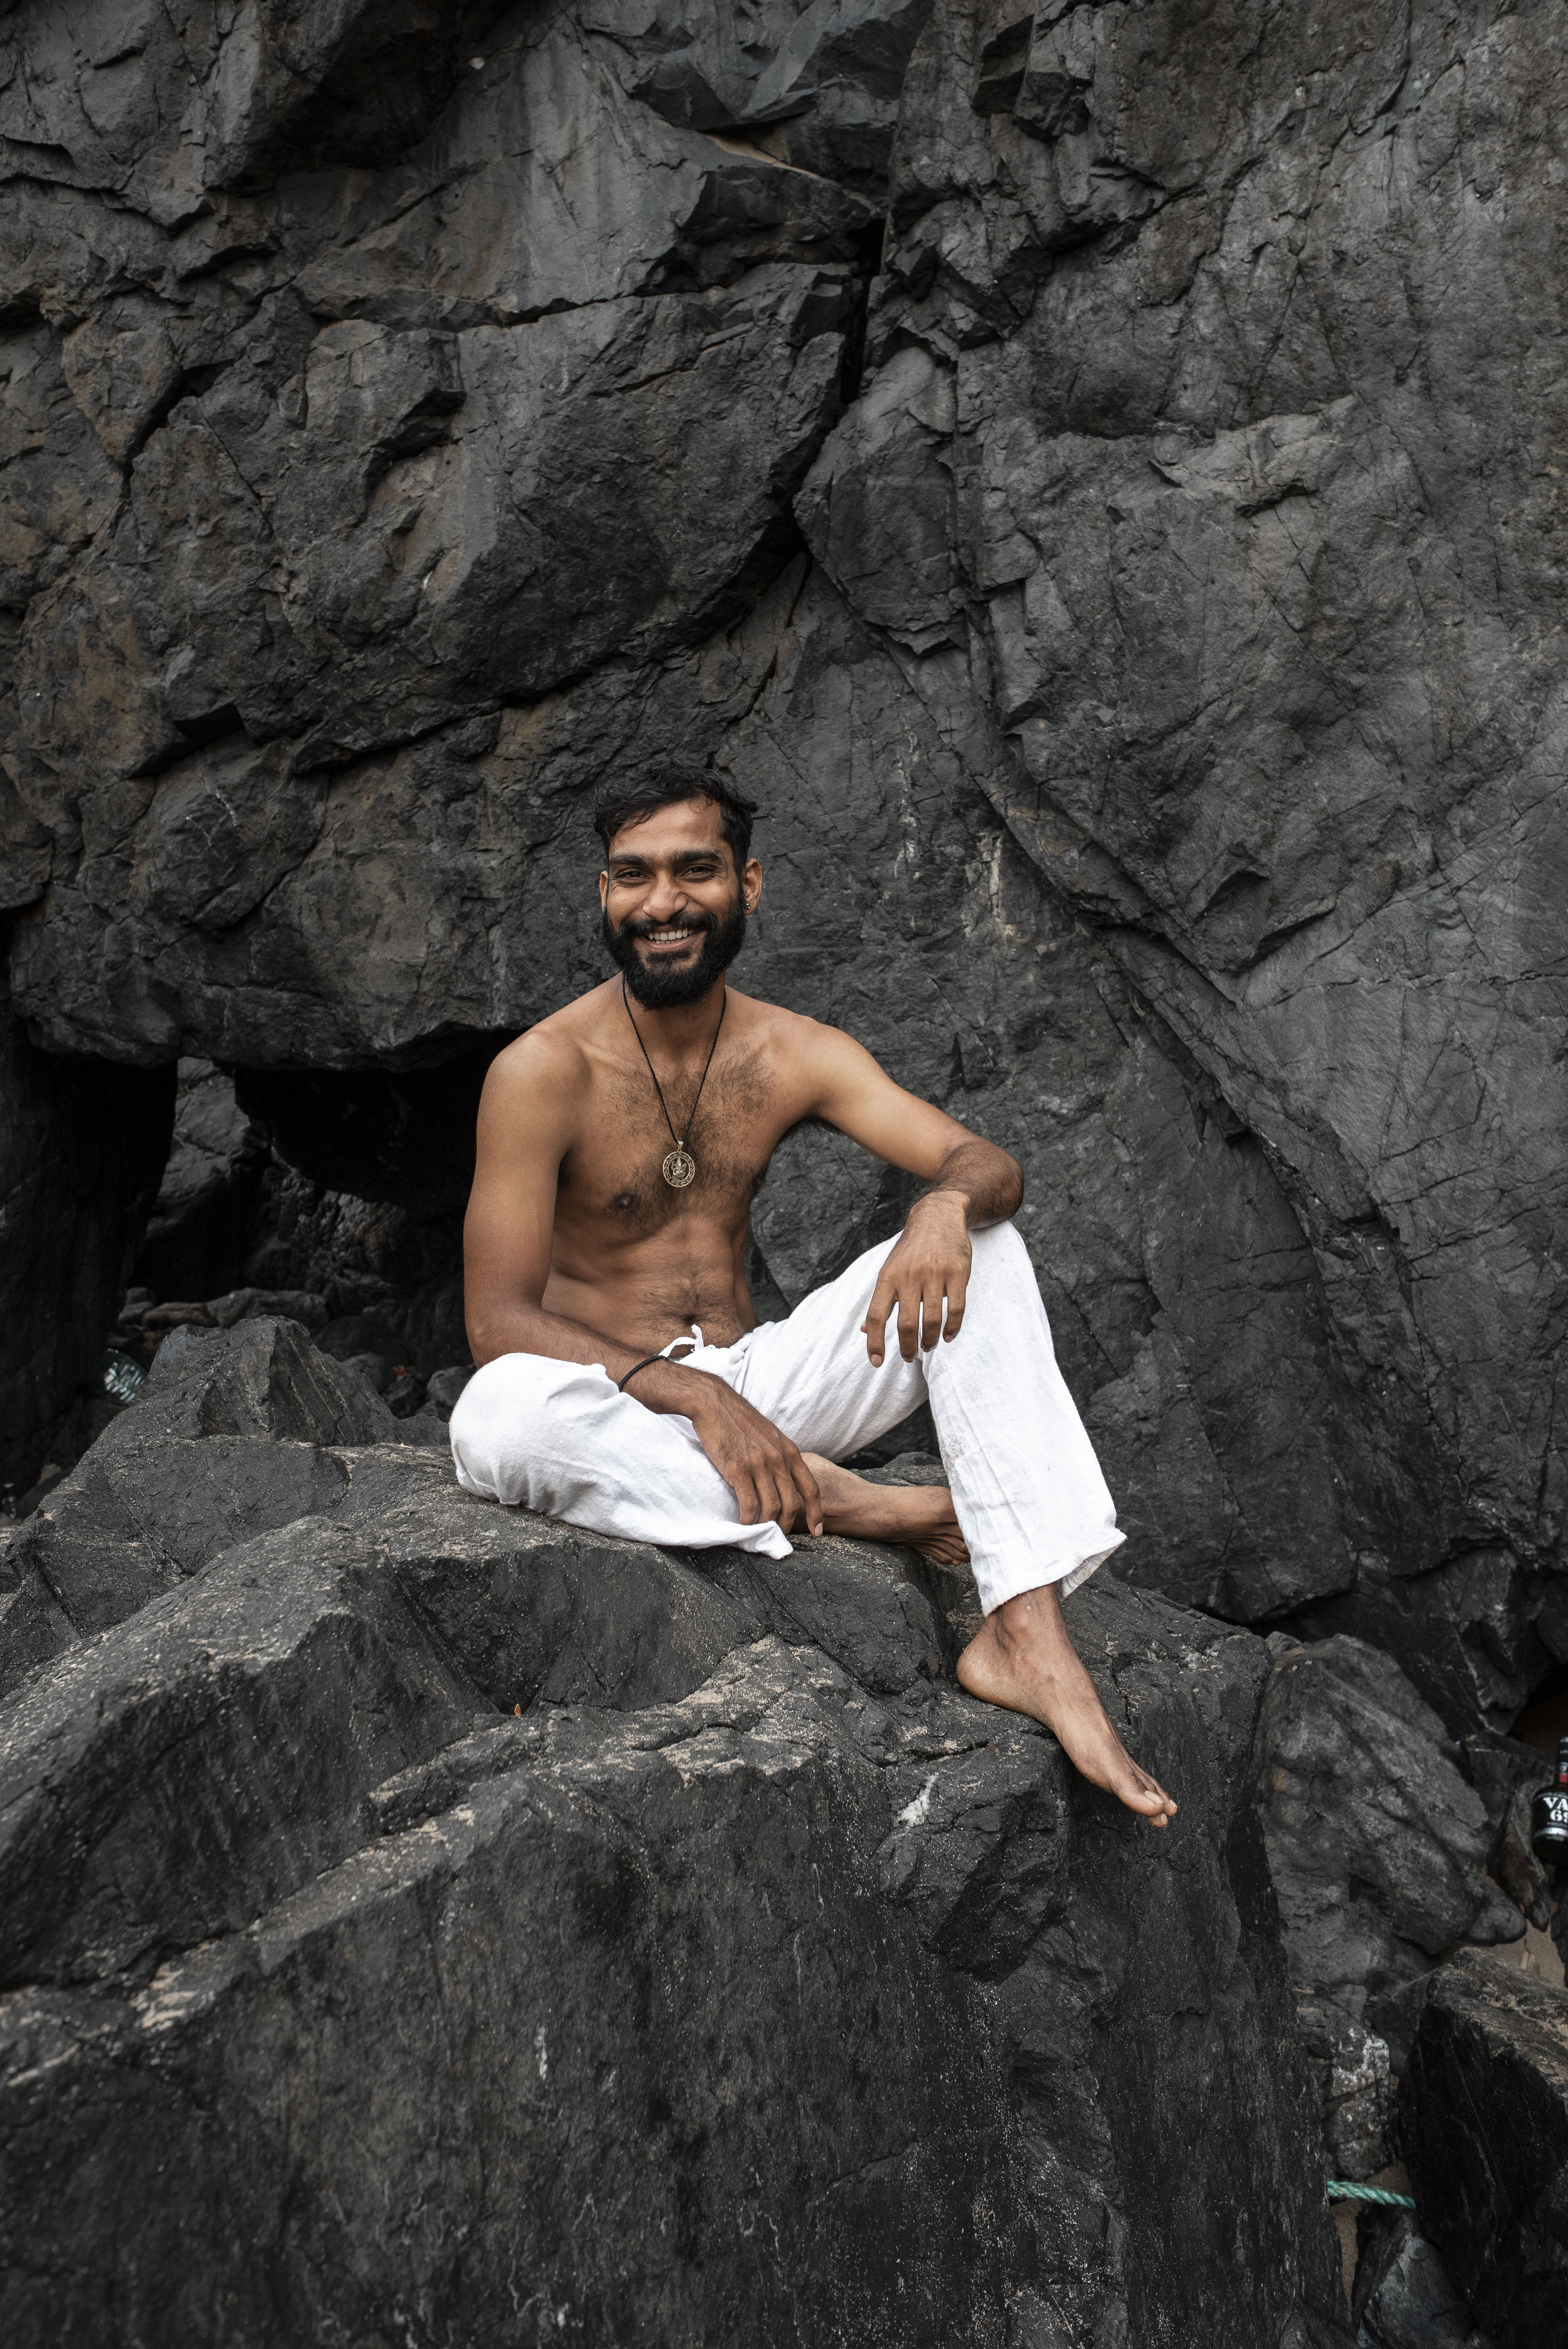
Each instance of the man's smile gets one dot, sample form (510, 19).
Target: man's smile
(674, 957)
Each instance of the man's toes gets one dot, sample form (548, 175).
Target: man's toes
(1140, 1793)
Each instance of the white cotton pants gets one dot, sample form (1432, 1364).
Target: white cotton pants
(1029, 1497)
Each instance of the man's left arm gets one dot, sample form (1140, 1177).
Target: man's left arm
(969, 1185)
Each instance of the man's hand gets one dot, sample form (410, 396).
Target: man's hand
(930, 1262)
(762, 1468)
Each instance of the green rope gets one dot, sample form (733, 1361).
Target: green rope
(1341, 2189)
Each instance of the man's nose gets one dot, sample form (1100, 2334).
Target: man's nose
(665, 900)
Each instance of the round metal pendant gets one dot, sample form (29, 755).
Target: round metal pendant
(680, 1169)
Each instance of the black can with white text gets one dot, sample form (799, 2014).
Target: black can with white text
(1549, 1820)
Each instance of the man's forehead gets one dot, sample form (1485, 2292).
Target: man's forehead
(690, 827)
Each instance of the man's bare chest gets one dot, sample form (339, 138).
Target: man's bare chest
(614, 1170)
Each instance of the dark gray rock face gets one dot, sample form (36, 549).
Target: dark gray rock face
(1507, 1774)
(1175, 373)
(1376, 1846)
(408, 424)
(1375, 1841)
(414, 1905)
(210, 1193)
(1483, 2118)
(229, 1438)
(201, 1756)
(1405, 2297)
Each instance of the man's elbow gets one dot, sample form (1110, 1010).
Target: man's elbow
(482, 1345)
(1011, 1184)
(495, 1328)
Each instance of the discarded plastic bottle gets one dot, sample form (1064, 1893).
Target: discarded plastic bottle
(1549, 1820)
(119, 1376)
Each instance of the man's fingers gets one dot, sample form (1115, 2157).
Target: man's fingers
(875, 1323)
(774, 1495)
(783, 1477)
(764, 1470)
(957, 1293)
(930, 1313)
(907, 1301)
(752, 1497)
(787, 1492)
(792, 1503)
(810, 1491)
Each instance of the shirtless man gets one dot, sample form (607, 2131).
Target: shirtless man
(623, 1381)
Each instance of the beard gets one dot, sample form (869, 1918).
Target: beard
(658, 988)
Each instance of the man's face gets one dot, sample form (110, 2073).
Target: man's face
(675, 908)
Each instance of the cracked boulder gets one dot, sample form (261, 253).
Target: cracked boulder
(1405, 2297)
(403, 1871)
(559, 2054)
(1377, 1847)
(1376, 1842)
(1484, 2121)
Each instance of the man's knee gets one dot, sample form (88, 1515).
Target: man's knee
(511, 1386)
(1002, 1281)
(514, 1413)
(999, 1250)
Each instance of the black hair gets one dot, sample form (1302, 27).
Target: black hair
(667, 785)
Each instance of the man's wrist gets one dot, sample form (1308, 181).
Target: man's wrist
(669, 1386)
(948, 1194)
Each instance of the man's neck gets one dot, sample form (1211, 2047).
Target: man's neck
(679, 1027)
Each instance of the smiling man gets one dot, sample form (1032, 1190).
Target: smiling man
(624, 1383)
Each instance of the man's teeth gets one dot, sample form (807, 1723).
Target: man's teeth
(669, 937)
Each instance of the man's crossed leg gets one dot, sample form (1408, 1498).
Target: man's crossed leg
(1025, 1491)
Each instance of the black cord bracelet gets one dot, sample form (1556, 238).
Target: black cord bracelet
(620, 1384)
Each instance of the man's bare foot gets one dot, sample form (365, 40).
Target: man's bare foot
(1023, 1659)
(919, 1516)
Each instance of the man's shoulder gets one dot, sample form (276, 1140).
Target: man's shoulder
(790, 1031)
(773, 1020)
(555, 1047)
(808, 1053)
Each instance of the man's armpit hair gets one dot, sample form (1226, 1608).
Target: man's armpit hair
(671, 783)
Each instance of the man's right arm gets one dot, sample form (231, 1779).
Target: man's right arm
(526, 1126)
(525, 1130)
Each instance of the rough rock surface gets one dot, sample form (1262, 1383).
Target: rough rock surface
(1405, 2297)
(1133, 594)
(1376, 1842)
(1377, 1846)
(1483, 2118)
(208, 1199)
(425, 1922)
(1507, 1775)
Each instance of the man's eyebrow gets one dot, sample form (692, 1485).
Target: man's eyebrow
(682, 857)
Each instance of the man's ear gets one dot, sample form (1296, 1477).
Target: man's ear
(604, 890)
(751, 885)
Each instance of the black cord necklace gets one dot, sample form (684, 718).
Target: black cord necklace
(679, 1167)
